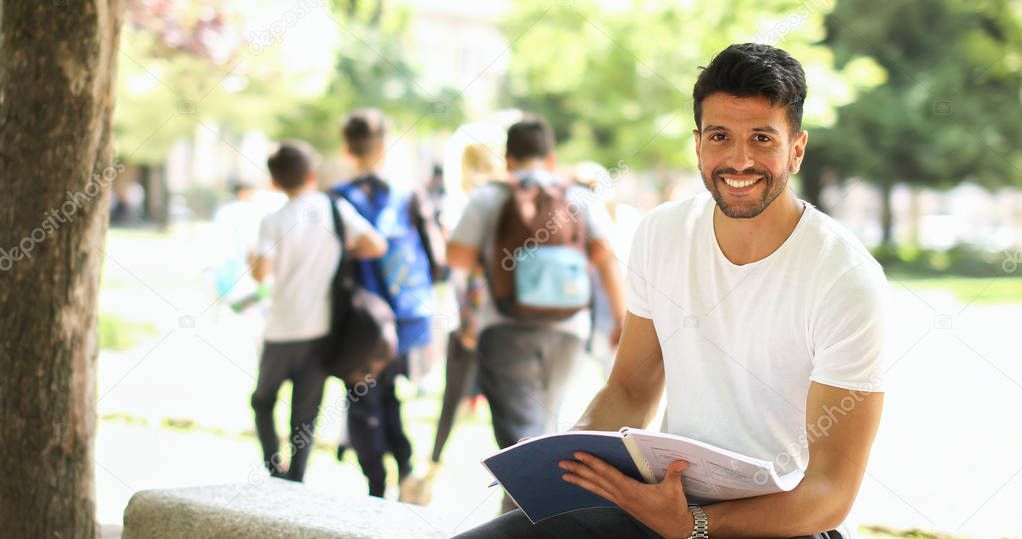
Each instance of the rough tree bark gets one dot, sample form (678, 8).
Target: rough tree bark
(57, 65)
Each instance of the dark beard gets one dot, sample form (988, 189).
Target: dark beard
(772, 191)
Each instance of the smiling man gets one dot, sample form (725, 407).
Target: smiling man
(762, 318)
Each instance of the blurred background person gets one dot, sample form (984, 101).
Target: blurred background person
(404, 277)
(236, 229)
(480, 164)
(601, 187)
(302, 254)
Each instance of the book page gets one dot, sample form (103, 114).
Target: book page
(713, 474)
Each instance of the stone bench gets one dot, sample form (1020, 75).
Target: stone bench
(272, 508)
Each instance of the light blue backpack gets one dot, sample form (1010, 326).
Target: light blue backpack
(541, 268)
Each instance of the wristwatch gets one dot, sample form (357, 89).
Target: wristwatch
(700, 523)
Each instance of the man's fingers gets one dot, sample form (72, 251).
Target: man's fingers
(587, 473)
(580, 481)
(675, 469)
(672, 478)
(607, 474)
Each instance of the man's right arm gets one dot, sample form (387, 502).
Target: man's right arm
(632, 393)
(363, 240)
(369, 245)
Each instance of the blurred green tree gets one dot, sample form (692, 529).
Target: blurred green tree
(185, 63)
(615, 80)
(371, 70)
(951, 109)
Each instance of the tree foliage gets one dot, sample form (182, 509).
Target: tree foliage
(950, 109)
(371, 70)
(616, 80)
(190, 64)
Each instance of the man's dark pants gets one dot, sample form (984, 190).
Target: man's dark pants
(596, 523)
(300, 362)
(523, 371)
(375, 428)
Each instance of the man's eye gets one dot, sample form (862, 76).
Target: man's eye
(762, 138)
(717, 137)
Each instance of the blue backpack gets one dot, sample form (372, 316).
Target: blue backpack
(403, 275)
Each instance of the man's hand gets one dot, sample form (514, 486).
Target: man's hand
(663, 506)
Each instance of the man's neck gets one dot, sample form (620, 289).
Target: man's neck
(366, 167)
(295, 193)
(534, 164)
(744, 241)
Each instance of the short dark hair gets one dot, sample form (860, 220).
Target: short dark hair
(753, 69)
(363, 131)
(529, 138)
(291, 164)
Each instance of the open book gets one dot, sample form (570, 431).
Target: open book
(529, 473)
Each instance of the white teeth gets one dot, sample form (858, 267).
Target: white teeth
(739, 184)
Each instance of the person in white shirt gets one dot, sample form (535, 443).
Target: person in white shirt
(761, 317)
(298, 245)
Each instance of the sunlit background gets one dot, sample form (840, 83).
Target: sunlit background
(915, 122)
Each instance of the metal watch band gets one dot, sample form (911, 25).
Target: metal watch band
(700, 523)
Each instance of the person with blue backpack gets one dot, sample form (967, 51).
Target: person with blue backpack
(404, 278)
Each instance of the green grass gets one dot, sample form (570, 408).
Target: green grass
(977, 290)
(885, 533)
(116, 333)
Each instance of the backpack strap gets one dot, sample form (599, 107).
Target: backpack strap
(345, 275)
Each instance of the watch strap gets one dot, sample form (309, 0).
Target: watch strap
(700, 523)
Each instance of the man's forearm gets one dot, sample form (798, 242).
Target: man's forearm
(613, 407)
(812, 507)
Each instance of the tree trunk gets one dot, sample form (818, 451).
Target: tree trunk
(886, 214)
(57, 65)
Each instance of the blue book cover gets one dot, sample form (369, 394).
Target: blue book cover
(529, 472)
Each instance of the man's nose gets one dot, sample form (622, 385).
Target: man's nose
(740, 158)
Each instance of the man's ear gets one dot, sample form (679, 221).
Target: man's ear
(511, 163)
(699, 140)
(798, 151)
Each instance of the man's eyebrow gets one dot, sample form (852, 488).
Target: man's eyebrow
(766, 129)
(715, 128)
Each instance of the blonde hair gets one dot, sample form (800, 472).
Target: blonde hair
(479, 164)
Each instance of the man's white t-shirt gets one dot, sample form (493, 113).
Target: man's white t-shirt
(742, 343)
(304, 251)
